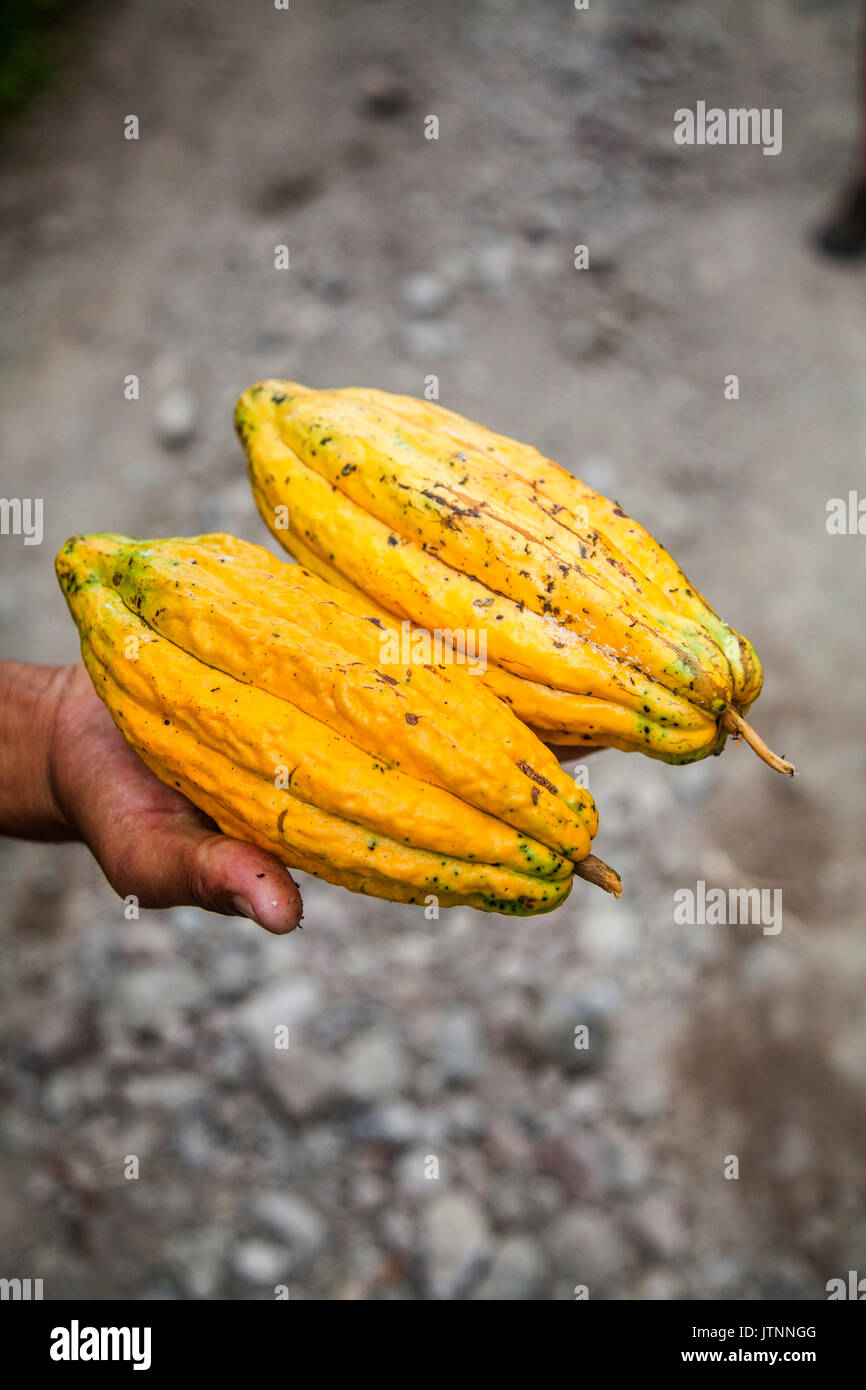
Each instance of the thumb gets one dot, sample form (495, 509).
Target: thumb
(239, 880)
(177, 858)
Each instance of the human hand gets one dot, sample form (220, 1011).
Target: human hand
(73, 776)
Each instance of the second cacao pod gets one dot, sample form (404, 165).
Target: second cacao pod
(593, 634)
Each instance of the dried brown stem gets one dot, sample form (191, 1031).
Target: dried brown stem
(735, 724)
(596, 871)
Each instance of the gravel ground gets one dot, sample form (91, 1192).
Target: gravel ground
(431, 1132)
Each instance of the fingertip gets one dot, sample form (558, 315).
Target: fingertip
(273, 901)
(241, 880)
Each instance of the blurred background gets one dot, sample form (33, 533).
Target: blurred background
(413, 1039)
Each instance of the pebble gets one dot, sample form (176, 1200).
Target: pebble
(176, 418)
(553, 1035)
(426, 295)
(384, 96)
(460, 1050)
(658, 1226)
(515, 1272)
(374, 1065)
(416, 1173)
(197, 1144)
(198, 1257)
(427, 341)
(304, 1081)
(623, 1163)
(588, 1248)
(74, 1088)
(165, 1090)
(141, 998)
(494, 266)
(457, 1244)
(294, 1220)
(60, 1037)
(260, 1262)
(232, 973)
(395, 1122)
(289, 1004)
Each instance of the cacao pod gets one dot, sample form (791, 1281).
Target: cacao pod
(259, 691)
(594, 635)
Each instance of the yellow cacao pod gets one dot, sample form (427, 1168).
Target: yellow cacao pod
(593, 634)
(261, 693)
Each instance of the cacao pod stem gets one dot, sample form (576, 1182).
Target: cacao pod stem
(735, 724)
(596, 871)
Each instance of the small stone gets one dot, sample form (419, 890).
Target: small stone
(425, 294)
(398, 1230)
(397, 1122)
(374, 1065)
(658, 1226)
(426, 341)
(198, 1258)
(197, 1145)
(61, 1036)
(164, 1090)
(369, 1192)
(460, 1051)
(573, 1028)
(303, 1080)
(543, 225)
(143, 998)
(416, 1174)
(260, 1262)
(623, 1164)
(230, 1059)
(645, 1096)
(493, 266)
(289, 192)
(584, 1103)
(289, 1004)
(233, 973)
(606, 936)
(457, 1244)
(294, 1220)
(509, 1205)
(383, 95)
(72, 1088)
(515, 1273)
(587, 1248)
(176, 418)
(466, 1118)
